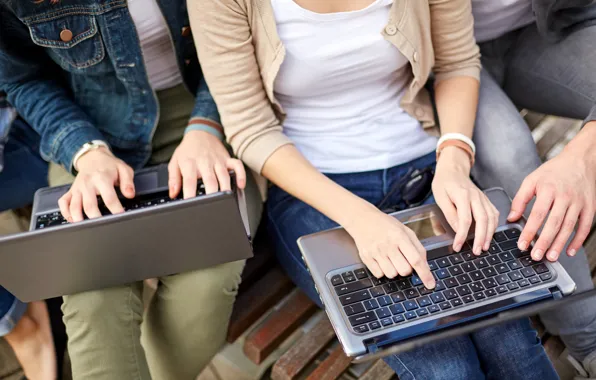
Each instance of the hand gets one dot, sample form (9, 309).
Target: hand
(98, 174)
(565, 186)
(202, 155)
(460, 200)
(389, 248)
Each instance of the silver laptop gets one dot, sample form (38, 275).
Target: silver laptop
(156, 236)
(371, 316)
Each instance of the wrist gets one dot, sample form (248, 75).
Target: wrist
(90, 156)
(582, 146)
(355, 212)
(455, 158)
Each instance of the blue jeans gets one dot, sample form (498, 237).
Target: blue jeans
(518, 353)
(24, 172)
(523, 70)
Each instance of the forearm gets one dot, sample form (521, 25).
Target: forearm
(582, 146)
(289, 170)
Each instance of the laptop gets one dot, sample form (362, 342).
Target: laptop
(156, 236)
(377, 317)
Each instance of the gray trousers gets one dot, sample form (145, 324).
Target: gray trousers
(523, 70)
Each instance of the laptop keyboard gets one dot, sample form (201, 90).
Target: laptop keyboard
(55, 218)
(462, 279)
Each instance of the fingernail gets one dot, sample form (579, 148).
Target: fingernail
(552, 255)
(572, 252)
(537, 254)
(511, 215)
(523, 245)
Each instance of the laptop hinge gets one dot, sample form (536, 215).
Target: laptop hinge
(556, 292)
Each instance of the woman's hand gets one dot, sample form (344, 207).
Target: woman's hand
(98, 174)
(460, 200)
(388, 248)
(202, 155)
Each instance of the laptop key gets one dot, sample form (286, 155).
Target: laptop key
(455, 270)
(490, 293)
(512, 233)
(412, 293)
(440, 286)
(515, 276)
(456, 302)
(546, 276)
(526, 261)
(540, 268)
(437, 297)
(499, 237)
(469, 298)
(503, 279)
(361, 329)
(424, 301)
(502, 289)
(399, 318)
(354, 297)
(464, 279)
(451, 283)
(463, 290)
(336, 280)
(442, 274)
(479, 296)
(410, 305)
(383, 313)
(506, 256)
(374, 325)
(518, 254)
(534, 280)
(415, 280)
(377, 292)
(361, 273)
(523, 283)
(422, 312)
(481, 263)
(403, 284)
(434, 309)
(507, 245)
(468, 267)
(494, 249)
(398, 297)
(386, 322)
(450, 294)
(350, 278)
(359, 319)
(396, 309)
(411, 315)
(489, 283)
(390, 287)
(348, 274)
(476, 287)
(352, 287)
(371, 304)
(378, 281)
(432, 265)
(493, 260)
(456, 259)
(515, 265)
(424, 291)
(445, 305)
(356, 308)
(384, 301)
(443, 262)
(512, 286)
(527, 272)
(468, 256)
(489, 272)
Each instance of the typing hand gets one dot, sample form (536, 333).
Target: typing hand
(566, 187)
(460, 200)
(98, 174)
(388, 248)
(202, 155)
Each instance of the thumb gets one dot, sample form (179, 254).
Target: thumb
(524, 195)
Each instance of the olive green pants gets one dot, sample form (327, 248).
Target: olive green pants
(111, 337)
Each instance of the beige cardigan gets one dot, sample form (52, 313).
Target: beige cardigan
(241, 53)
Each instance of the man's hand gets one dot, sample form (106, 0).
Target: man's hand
(566, 187)
(98, 173)
(202, 155)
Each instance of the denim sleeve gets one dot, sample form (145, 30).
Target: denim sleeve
(205, 116)
(36, 88)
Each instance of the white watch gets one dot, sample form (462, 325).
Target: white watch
(87, 147)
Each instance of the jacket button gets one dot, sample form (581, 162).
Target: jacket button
(391, 30)
(415, 57)
(186, 31)
(66, 35)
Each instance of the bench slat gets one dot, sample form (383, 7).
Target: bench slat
(379, 371)
(256, 300)
(278, 326)
(332, 367)
(289, 366)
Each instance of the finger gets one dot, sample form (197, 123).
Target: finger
(418, 263)
(544, 201)
(583, 230)
(481, 221)
(551, 228)
(223, 177)
(90, 207)
(567, 227)
(174, 178)
(76, 206)
(239, 171)
(386, 266)
(524, 195)
(189, 179)
(209, 178)
(372, 266)
(448, 209)
(64, 204)
(493, 221)
(127, 184)
(110, 198)
(400, 263)
(464, 220)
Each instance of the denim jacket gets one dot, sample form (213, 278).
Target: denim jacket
(7, 116)
(93, 85)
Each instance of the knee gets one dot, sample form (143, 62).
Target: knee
(105, 304)
(208, 283)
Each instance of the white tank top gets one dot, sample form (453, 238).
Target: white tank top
(494, 18)
(341, 84)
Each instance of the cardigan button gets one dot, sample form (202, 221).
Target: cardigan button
(415, 56)
(66, 35)
(185, 31)
(391, 30)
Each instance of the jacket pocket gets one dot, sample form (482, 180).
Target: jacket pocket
(73, 41)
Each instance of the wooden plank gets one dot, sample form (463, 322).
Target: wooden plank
(255, 301)
(293, 362)
(590, 247)
(555, 134)
(332, 367)
(379, 371)
(278, 326)
(533, 119)
(554, 347)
